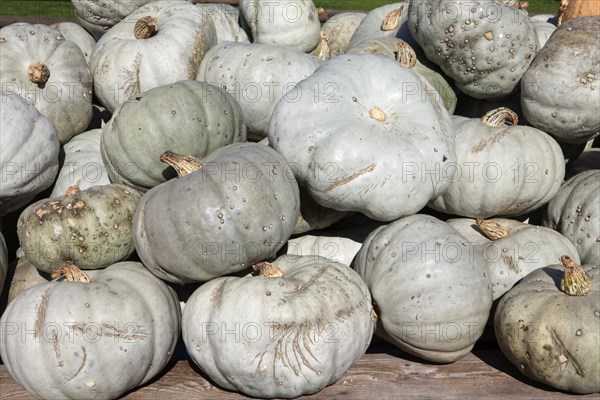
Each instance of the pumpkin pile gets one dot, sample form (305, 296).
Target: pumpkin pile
(274, 191)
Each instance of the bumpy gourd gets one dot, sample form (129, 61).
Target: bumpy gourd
(238, 208)
(484, 46)
(88, 229)
(303, 321)
(549, 335)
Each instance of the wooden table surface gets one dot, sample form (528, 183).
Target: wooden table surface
(382, 375)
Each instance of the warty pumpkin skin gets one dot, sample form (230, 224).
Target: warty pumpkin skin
(187, 116)
(29, 153)
(550, 336)
(287, 23)
(431, 289)
(90, 229)
(339, 30)
(502, 169)
(98, 340)
(484, 46)
(298, 331)
(238, 209)
(513, 249)
(560, 91)
(575, 213)
(50, 72)
(160, 43)
(369, 139)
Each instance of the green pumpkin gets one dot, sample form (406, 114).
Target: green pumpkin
(239, 208)
(188, 117)
(94, 340)
(549, 335)
(303, 321)
(89, 229)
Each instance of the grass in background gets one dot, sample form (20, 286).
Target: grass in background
(64, 9)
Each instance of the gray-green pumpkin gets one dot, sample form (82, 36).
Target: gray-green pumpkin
(575, 212)
(82, 165)
(303, 322)
(401, 51)
(239, 208)
(339, 30)
(432, 292)
(88, 229)
(286, 23)
(190, 117)
(513, 249)
(29, 153)
(560, 92)
(93, 340)
(380, 22)
(225, 17)
(50, 72)
(258, 76)
(78, 35)
(502, 169)
(549, 335)
(484, 46)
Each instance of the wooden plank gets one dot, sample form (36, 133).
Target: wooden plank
(483, 374)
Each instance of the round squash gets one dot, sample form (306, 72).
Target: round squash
(225, 17)
(49, 72)
(257, 76)
(98, 16)
(370, 138)
(563, 81)
(432, 291)
(339, 30)
(89, 229)
(513, 249)
(549, 335)
(484, 46)
(239, 208)
(82, 164)
(160, 43)
(380, 22)
(502, 170)
(301, 323)
(29, 153)
(76, 34)
(286, 23)
(61, 340)
(187, 116)
(575, 212)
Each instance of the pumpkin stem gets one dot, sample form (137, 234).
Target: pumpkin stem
(38, 73)
(71, 273)
(405, 54)
(184, 165)
(377, 114)
(323, 51)
(268, 270)
(392, 19)
(576, 281)
(499, 117)
(492, 230)
(145, 27)
(520, 5)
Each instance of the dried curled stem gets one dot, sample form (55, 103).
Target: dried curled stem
(38, 73)
(268, 270)
(71, 273)
(576, 281)
(500, 116)
(492, 230)
(323, 51)
(183, 165)
(145, 27)
(405, 54)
